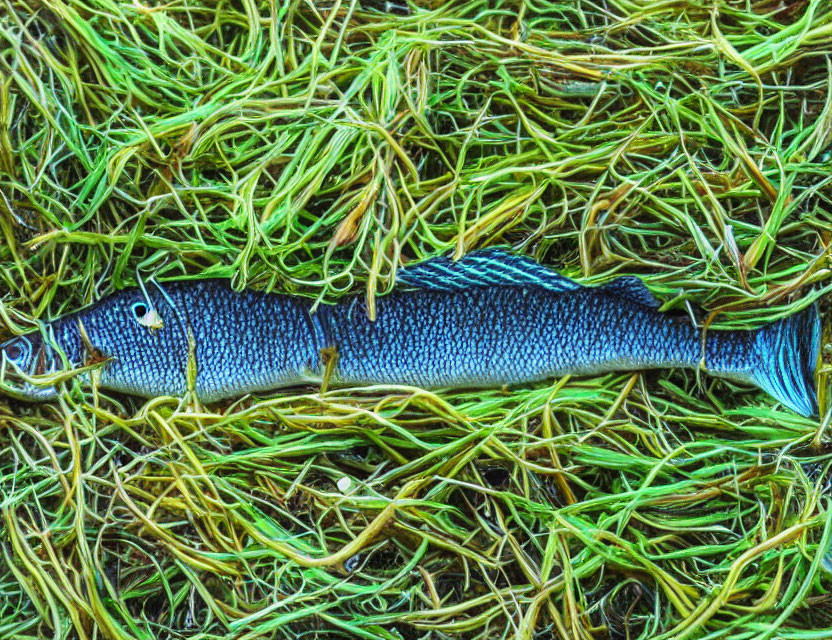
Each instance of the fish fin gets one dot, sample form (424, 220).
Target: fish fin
(484, 268)
(788, 353)
(632, 288)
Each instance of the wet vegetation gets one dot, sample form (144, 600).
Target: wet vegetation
(315, 147)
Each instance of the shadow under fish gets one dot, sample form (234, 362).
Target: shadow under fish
(487, 320)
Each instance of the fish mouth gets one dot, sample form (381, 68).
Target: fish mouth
(27, 375)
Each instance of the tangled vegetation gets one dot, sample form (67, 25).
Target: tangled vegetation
(314, 147)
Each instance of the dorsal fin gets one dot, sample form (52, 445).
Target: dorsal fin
(496, 267)
(632, 288)
(484, 268)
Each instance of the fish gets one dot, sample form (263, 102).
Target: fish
(488, 320)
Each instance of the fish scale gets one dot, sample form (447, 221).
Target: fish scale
(490, 319)
(467, 339)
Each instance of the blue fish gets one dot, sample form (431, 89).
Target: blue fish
(487, 320)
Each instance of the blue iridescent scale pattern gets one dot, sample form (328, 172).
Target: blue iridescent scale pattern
(444, 335)
(491, 336)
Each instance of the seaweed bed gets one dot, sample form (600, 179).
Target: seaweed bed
(315, 147)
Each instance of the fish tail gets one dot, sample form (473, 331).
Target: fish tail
(788, 352)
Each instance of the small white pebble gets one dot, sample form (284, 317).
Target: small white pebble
(152, 320)
(344, 484)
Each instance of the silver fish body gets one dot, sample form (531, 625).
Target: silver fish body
(492, 319)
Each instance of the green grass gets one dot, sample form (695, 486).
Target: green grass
(313, 148)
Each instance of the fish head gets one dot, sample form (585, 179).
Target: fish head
(140, 341)
(134, 342)
(28, 361)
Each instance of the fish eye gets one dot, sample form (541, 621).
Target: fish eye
(139, 310)
(147, 316)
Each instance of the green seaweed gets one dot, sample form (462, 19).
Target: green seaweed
(315, 148)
